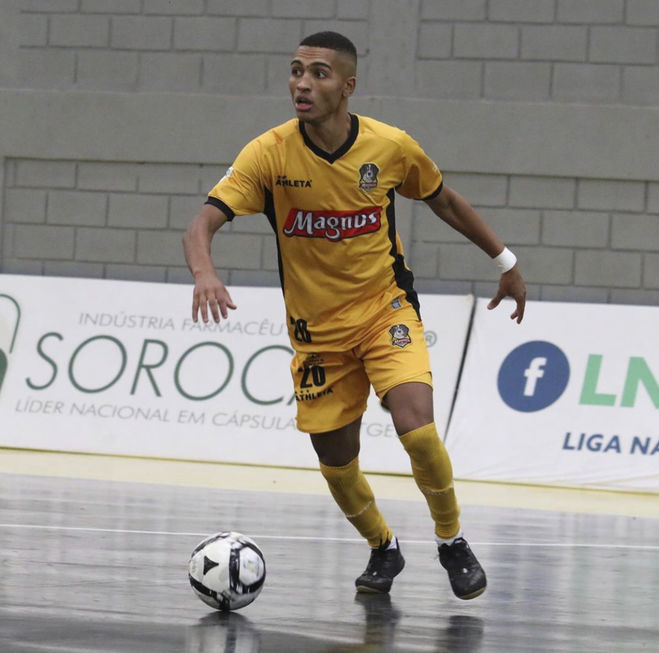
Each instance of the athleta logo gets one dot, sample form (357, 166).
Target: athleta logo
(283, 180)
(333, 225)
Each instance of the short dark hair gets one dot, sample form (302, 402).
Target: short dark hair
(331, 41)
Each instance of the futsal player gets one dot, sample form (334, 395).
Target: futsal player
(326, 181)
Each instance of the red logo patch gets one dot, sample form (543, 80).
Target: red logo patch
(333, 225)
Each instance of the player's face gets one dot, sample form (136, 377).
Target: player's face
(321, 82)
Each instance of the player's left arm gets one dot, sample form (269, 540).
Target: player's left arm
(454, 209)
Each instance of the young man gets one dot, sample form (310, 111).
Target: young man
(326, 182)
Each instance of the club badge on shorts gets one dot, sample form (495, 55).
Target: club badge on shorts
(400, 335)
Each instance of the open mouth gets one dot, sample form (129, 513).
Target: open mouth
(303, 104)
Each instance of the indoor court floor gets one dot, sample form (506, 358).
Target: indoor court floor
(94, 551)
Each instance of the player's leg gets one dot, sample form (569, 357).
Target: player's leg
(331, 412)
(398, 365)
(412, 413)
(411, 410)
(338, 454)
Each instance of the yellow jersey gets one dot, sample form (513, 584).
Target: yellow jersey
(340, 258)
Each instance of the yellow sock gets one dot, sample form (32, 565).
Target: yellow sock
(431, 467)
(354, 496)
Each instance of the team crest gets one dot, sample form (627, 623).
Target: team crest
(368, 176)
(400, 335)
(313, 360)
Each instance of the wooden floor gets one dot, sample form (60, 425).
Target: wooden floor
(94, 550)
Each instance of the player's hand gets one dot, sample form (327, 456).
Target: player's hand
(512, 285)
(210, 296)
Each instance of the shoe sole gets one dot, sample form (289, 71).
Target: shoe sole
(473, 595)
(365, 589)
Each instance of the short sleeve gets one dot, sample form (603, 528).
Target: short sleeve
(242, 189)
(422, 178)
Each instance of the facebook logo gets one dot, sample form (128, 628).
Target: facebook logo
(533, 376)
(532, 373)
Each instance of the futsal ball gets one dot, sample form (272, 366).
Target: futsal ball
(227, 570)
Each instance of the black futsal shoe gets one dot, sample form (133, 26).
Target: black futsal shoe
(464, 571)
(383, 566)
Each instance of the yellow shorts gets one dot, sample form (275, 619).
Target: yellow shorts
(331, 388)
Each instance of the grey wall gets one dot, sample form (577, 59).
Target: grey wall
(119, 115)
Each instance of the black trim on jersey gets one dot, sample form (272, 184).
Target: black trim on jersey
(269, 211)
(352, 137)
(219, 204)
(403, 276)
(437, 192)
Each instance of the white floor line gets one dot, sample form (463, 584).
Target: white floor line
(87, 529)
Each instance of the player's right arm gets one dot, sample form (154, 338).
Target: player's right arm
(210, 294)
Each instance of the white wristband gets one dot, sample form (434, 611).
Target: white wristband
(505, 261)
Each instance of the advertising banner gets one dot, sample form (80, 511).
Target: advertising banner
(121, 368)
(569, 397)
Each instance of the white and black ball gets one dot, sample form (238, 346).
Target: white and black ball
(227, 570)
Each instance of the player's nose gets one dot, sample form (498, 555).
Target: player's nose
(302, 83)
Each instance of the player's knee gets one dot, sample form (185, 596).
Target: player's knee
(339, 447)
(335, 458)
(411, 414)
(334, 452)
(410, 405)
(422, 443)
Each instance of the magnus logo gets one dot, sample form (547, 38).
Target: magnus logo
(283, 180)
(10, 317)
(333, 225)
(533, 376)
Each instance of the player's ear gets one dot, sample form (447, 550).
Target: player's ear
(349, 86)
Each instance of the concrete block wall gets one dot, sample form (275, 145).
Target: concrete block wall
(577, 239)
(543, 114)
(119, 220)
(549, 50)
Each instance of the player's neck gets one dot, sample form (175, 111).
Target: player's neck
(330, 134)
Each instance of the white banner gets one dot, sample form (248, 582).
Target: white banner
(120, 367)
(569, 397)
